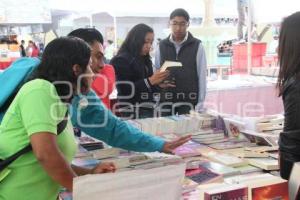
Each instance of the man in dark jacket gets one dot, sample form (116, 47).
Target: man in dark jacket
(190, 79)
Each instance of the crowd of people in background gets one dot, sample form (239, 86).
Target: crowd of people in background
(31, 50)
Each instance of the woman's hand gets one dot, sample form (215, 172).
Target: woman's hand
(167, 84)
(158, 77)
(169, 147)
(104, 168)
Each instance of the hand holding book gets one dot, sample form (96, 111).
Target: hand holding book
(158, 77)
(168, 64)
(167, 84)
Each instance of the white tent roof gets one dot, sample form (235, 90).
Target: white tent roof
(265, 10)
(121, 8)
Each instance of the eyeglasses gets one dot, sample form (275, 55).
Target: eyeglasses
(180, 24)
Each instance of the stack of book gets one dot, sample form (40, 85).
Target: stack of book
(232, 143)
(273, 123)
(264, 163)
(221, 169)
(177, 124)
(209, 136)
(261, 138)
(89, 142)
(226, 159)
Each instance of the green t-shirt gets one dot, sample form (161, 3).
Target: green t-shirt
(36, 108)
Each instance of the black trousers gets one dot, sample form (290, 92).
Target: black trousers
(286, 162)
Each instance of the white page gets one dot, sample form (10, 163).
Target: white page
(170, 64)
(162, 183)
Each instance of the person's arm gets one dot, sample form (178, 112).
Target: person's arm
(45, 149)
(125, 73)
(98, 122)
(201, 70)
(48, 154)
(100, 168)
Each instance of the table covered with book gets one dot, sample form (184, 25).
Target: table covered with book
(228, 158)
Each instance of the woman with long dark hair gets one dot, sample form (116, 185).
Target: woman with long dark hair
(137, 83)
(33, 118)
(289, 88)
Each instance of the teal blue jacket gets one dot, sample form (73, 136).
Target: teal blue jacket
(97, 121)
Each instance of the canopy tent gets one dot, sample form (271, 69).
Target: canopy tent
(38, 11)
(276, 10)
(140, 8)
(24, 12)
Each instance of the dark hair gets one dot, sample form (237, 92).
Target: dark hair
(135, 40)
(89, 35)
(180, 12)
(22, 41)
(289, 50)
(57, 63)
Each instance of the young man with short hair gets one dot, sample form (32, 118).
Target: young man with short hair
(190, 79)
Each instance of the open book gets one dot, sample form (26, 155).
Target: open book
(168, 64)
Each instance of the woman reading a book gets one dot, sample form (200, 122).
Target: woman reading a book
(33, 118)
(137, 84)
(289, 89)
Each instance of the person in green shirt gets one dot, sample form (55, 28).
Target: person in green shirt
(32, 118)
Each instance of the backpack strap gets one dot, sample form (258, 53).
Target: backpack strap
(4, 163)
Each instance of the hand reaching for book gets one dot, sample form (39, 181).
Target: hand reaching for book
(104, 168)
(169, 147)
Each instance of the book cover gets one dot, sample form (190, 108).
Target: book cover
(82, 162)
(234, 127)
(262, 139)
(218, 168)
(226, 159)
(264, 163)
(90, 143)
(203, 176)
(248, 169)
(227, 193)
(187, 150)
(169, 64)
(277, 191)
